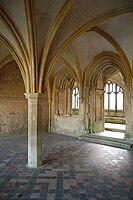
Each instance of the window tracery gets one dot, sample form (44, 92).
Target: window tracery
(113, 96)
(75, 98)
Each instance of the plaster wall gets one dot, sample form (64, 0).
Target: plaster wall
(13, 104)
(68, 125)
(45, 115)
(13, 117)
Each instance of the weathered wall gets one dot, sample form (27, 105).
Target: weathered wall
(45, 115)
(13, 105)
(68, 125)
(13, 116)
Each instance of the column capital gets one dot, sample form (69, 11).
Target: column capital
(34, 95)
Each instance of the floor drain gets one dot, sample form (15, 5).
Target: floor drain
(20, 195)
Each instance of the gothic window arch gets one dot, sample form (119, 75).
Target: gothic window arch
(113, 97)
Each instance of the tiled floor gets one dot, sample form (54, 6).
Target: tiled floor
(73, 170)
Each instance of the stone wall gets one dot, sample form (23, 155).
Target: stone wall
(13, 105)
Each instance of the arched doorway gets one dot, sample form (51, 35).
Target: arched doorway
(108, 70)
(114, 114)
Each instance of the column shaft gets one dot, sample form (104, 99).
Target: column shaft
(34, 129)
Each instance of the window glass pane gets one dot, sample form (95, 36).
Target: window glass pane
(111, 87)
(106, 88)
(112, 101)
(75, 98)
(113, 91)
(77, 105)
(114, 87)
(120, 101)
(118, 88)
(105, 100)
(72, 100)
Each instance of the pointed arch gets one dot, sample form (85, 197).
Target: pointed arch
(19, 62)
(78, 32)
(101, 62)
(50, 38)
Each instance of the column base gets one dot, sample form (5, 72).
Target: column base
(34, 164)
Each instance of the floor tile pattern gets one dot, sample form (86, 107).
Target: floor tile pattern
(72, 170)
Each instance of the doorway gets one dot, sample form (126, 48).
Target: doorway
(114, 109)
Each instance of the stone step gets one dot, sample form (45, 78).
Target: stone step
(115, 130)
(115, 120)
(114, 142)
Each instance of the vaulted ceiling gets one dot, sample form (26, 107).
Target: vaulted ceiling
(44, 36)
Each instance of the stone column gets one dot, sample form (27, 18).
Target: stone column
(34, 129)
(87, 109)
(99, 106)
(81, 106)
(129, 117)
(128, 108)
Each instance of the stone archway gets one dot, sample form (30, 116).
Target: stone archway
(98, 73)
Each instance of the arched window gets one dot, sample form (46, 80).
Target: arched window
(113, 96)
(75, 98)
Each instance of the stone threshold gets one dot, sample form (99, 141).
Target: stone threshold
(109, 141)
(115, 130)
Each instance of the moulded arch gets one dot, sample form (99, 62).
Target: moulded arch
(6, 61)
(63, 73)
(114, 44)
(64, 68)
(101, 62)
(78, 32)
(117, 81)
(23, 70)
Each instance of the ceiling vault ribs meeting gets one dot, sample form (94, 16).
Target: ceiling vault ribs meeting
(36, 62)
(32, 44)
(55, 25)
(85, 28)
(20, 57)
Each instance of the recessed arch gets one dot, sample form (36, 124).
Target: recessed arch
(115, 45)
(13, 30)
(63, 74)
(23, 70)
(50, 38)
(101, 62)
(6, 60)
